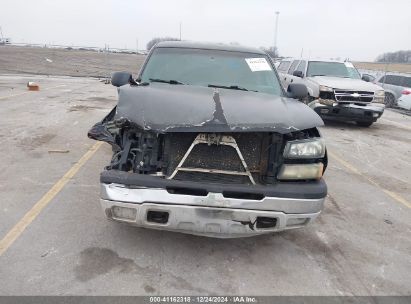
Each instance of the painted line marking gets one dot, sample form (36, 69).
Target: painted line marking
(393, 195)
(26, 92)
(31, 215)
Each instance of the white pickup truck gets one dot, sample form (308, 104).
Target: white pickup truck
(336, 91)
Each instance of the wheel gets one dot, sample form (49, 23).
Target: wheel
(364, 123)
(389, 100)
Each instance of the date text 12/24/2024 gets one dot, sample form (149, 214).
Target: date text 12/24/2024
(203, 299)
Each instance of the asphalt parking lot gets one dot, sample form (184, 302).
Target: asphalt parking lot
(55, 240)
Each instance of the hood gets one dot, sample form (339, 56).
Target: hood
(345, 83)
(185, 108)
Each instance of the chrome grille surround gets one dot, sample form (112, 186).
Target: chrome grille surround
(352, 96)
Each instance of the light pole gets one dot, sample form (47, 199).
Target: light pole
(276, 30)
(180, 30)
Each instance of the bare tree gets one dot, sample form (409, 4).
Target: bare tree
(272, 51)
(397, 57)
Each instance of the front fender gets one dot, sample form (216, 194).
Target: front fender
(313, 88)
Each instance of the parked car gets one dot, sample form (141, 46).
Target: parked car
(335, 88)
(207, 142)
(395, 85)
(405, 99)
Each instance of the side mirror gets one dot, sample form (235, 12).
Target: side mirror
(298, 74)
(366, 78)
(297, 91)
(119, 79)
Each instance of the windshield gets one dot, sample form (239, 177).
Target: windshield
(212, 68)
(335, 69)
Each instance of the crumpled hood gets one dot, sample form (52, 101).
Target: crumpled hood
(185, 108)
(345, 83)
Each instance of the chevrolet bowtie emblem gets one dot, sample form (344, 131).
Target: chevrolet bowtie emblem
(355, 95)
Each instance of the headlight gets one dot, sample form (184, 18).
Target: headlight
(379, 100)
(379, 96)
(305, 148)
(380, 93)
(303, 171)
(325, 88)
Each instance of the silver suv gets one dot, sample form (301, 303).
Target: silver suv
(395, 86)
(335, 89)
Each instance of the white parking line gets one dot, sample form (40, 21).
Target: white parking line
(353, 169)
(31, 215)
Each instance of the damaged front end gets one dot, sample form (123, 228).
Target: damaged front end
(211, 162)
(349, 105)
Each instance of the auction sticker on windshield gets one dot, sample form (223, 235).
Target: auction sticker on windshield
(258, 64)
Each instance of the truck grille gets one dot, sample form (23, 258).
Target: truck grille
(217, 157)
(212, 178)
(359, 97)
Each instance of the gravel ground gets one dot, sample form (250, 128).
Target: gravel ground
(48, 61)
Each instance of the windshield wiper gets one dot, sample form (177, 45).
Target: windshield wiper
(232, 87)
(165, 81)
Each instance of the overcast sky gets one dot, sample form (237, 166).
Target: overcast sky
(359, 30)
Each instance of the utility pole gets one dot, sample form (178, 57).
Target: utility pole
(277, 13)
(180, 30)
(136, 46)
(107, 62)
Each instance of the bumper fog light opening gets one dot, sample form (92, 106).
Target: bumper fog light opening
(157, 217)
(265, 222)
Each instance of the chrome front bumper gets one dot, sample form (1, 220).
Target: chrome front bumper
(212, 215)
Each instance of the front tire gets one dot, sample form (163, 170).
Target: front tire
(365, 124)
(389, 100)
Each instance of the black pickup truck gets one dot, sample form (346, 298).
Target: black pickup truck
(206, 141)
